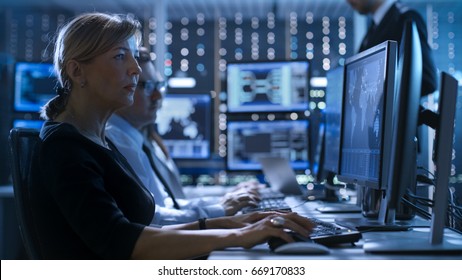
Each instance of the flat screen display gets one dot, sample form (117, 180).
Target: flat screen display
(267, 86)
(367, 115)
(34, 86)
(184, 123)
(248, 141)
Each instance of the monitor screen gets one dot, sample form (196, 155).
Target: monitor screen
(367, 109)
(34, 86)
(184, 123)
(248, 141)
(267, 86)
(333, 116)
(35, 124)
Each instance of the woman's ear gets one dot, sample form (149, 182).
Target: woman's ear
(75, 72)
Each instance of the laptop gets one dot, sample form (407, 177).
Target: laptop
(281, 177)
(282, 182)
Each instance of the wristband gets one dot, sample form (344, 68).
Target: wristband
(202, 223)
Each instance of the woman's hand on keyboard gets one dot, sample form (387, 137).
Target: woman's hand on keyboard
(237, 221)
(265, 228)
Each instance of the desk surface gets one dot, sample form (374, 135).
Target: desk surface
(346, 251)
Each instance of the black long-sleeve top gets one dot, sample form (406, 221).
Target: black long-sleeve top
(87, 201)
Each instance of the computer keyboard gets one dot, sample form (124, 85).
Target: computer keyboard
(324, 233)
(269, 204)
(269, 193)
(327, 233)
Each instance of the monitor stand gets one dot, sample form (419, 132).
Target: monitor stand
(376, 224)
(336, 203)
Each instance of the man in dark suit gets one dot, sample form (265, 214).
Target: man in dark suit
(388, 19)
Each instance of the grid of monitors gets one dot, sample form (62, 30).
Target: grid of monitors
(333, 115)
(184, 123)
(34, 85)
(367, 114)
(248, 141)
(267, 86)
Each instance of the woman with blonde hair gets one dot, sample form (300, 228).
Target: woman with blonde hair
(88, 202)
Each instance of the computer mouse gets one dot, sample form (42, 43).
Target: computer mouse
(300, 246)
(307, 248)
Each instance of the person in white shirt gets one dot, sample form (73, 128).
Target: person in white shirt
(124, 129)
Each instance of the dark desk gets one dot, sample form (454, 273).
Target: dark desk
(344, 252)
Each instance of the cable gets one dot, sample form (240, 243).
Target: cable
(301, 204)
(424, 179)
(426, 169)
(421, 211)
(410, 194)
(456, 207)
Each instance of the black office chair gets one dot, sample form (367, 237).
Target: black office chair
(24, 144)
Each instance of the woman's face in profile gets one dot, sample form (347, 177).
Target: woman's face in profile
(111, 77)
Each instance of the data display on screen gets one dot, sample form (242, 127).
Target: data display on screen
(184, 123)
(248, 141)
(267, 86)
(34, 86)
(363, 117)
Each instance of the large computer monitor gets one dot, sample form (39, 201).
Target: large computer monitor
(34, 85)
(401, 174)
(333, 117)
(367, 127)
(184, 122)
(248, 141)
(267, 86)
(369, 86)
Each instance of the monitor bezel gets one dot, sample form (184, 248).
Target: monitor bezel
(272, 109)
(390, 48)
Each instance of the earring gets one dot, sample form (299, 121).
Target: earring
(82, 84)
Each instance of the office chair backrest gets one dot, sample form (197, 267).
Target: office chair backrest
(24, 145)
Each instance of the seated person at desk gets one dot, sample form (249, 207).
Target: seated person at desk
(87, 201)
(124, 129)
